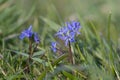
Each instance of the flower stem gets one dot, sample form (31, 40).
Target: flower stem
(30, 48)
(29, 59)
(70, 56)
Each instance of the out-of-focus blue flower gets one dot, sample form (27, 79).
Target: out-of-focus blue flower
(68, 32)
(36, 38)
(54, 46)
(26, 33)
(74, 26)
(70, 38)
(62, 33)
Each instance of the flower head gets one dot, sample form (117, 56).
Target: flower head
(62, 33)
(74, 26)
(26, 33)
(68, 32)
(69, 38)
(53, 46)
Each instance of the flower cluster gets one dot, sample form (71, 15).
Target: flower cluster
(69, 32)
(29, 33)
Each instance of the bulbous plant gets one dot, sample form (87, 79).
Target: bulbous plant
(67, 34)
(33, 38)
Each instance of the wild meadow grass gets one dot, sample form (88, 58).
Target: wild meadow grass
(90, 52)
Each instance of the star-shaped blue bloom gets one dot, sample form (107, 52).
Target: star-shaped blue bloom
(26, 33)
(54, 46)
(69, 38)
(68, 32)
(62, 33)
(74, 26)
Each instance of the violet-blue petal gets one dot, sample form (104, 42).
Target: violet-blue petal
(26, 33)
(22, 36)
(36, 38)
(30, 28)
(53, 46)
(74, 26)
(66, 42)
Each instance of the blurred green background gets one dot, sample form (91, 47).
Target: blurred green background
(47, 16)
(16, 14)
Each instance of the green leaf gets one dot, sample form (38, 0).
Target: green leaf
(42, 75)
(69, 75)
(14, 77)
(40, 61)
(59, 59)
(81, 55)
(38, 53)
(51, 24)
(20, 53)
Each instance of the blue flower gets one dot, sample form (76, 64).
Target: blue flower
(69, 38)
(74, 26)
(68, 32)
(62, 33)
(53, 46)
(26, 33)
(36, 38)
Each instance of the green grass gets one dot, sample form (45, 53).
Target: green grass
(96, 52)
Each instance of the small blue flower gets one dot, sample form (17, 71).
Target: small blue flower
(74, 26)
(62, 33)
(53, 46)
(26, 33)
(65, 35)
(70, 38)
(68, 32)
(36, 38)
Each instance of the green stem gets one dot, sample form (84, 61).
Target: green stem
(108, 37)
(29, 59)
(108, 28)
(30, 48)
(70, 58)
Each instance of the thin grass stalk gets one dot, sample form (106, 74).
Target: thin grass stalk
(70, 58)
